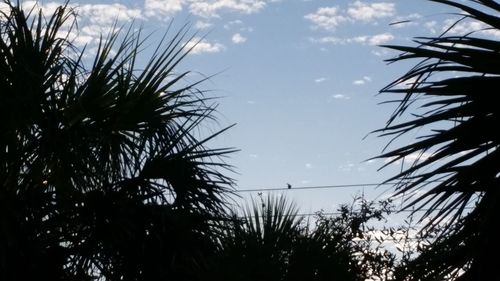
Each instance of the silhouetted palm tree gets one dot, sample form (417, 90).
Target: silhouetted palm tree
(257, 245)
(270, 241)
(102, 171)
(458, 160)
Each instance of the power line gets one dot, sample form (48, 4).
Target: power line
(324, 186)
(312, 187)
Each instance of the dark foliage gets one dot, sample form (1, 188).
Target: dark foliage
(459, 161)
(102, 171)
(270, 241)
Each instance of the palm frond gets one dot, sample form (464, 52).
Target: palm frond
(454, 89)
(104, 169)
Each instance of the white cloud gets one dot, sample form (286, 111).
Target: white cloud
(203, 46)
(4, 7)
(202, 25)
(418, 156)
(370, 11)
(431, 26)
(362, 81)
(82, 40)
(380, 52)
(308, 166)
(405, 84)
(380, 39)
(212, 8)
(108, 14)
(340, 97)
(319, 80)
(364, 39)
(466, 27)
(327, 18)
(415, 157)
(160, 8)
(327, 39)
(238, 39)
(247, 29)
(235, 22)
(232, 23)
(48, 8)
(94, 19)
(340, 41)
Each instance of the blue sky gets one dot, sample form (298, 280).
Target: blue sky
(298, 77)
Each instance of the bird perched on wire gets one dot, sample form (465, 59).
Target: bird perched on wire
(289, 186)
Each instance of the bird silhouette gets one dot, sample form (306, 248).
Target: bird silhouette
(289, 186)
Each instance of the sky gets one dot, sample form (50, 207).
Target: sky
(299, 78)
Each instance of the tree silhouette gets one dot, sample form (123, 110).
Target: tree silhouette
(458, 161)
(103, 173)
(270, 241)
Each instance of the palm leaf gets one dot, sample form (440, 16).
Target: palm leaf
(104, 169)
(453, 86)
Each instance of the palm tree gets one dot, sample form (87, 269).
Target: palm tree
(257, 245)
(270, 241)
(458, 161)
(103, 173)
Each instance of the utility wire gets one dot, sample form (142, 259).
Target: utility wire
(321, 186)
(309, 187)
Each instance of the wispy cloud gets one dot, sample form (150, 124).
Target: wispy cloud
(212, 8)
(204, 46)
(320, 80)
(94, 19)
(202, 8)
(162, 8)
(415, 157)
(431, 26)
(470, 26)
(232, 23)
(327, 18)
(366, 12)
(362, 81)
(378, 39)
(4, 7)
(340, 97)
(107, 14)
(98, 19)
(202, 24)
(372, 40)
(339, 41)
(238, 38)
